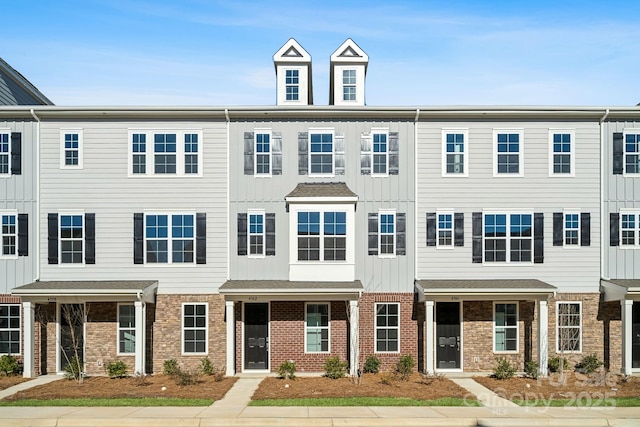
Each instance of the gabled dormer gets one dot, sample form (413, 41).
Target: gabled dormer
(293, 74)
(348, 71)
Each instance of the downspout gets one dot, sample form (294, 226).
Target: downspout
(228, 175)
(415, 195)
(37, 221)
(602, 211)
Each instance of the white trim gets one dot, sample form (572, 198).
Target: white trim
(19, 328)
(572, 152)
(195, 328)
(380, 234)
(558, 303)
(633, 131)
(375, 326)
(11, 213)
(636, 229)
(519, 132)
(507, 238)
(7, 131)
(385, 132)
(118, 328)
(79, 133)
(564, 229)
(169, 238)
(150, 152)
(257, 132)
(328, 327)
(318, 131)
(506, 327)
(453, 232)
(465, 152)
(256, 212)
(72, 213)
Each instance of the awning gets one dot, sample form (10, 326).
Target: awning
(89, 290)
(482, 289)
(264, 290)
(316, 192)
(620, 289)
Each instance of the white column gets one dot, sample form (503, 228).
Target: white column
(231, 337)
(543, 338)
(354, 342)
(140, 338)
(627, 306)
(429, 351)
(28, 315)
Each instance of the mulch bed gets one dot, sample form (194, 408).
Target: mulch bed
(9, 381)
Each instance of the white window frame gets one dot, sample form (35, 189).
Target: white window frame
(464, 153)
(183, 329)
(438, 230)
(635, 131)
(180, 153)
(6, 132)
(353, 74)
(261, 213)
(131, 329)
(572, 152)
(519, 132)
(14, 214)
(516, 327)
(139, 153)
(308, 328)
(374, 132)
(319, 131)
(286, 85)
(257, 132)
(508, 238)
(322, 235)
(558, 350)
(10, 329)
(391, 212)
(376, 327)
(63, 150)
(636, 229)
(170, 238)
(565, 229)
(83, 239)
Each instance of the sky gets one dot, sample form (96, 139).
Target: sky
(421, 53)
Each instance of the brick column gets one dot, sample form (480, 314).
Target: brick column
(139, 367)
(627, 336)
(231, 337)
(28, 314)
(429, 340)
(354, 341)
(543, 338)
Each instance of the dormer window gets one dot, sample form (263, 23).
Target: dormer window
(292, 82)
(349, 85)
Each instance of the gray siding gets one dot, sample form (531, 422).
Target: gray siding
(571, 270)
(12, 93)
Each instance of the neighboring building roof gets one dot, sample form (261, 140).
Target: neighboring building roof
(289, 288)
(330, 190)
(485, 287)
(89, 288)
(15, 89)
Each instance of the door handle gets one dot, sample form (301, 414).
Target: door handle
(458, 343)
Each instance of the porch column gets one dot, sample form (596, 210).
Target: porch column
(429, 339)
(354, 342)
(627, 306)
(231, 337)
(28, 315)
(543, 338)
(140, 338)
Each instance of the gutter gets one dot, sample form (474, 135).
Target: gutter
(37, 219)
(602, 211)
(415, 194)
(228, 186)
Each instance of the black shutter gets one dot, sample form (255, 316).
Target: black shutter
(138, 238)
(338, 155)
(476, 235)
(614, 229)
(52, 220)
(431, 229)
(201, 238)
(394, 148)
(270, 233)
(373, 233)
(458, 229)
(585, 229)
(242, 234)
(303, 153)
(276, 153)
(16, 153)
(90, 238)
(23, 234)
(401, 234)
(248, 153)
(618, 153)
(538, 238)
(558, 229)
(366, 146)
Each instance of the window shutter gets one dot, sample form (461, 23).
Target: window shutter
(614, 229)
(303, 153)
(558, 229)
(393, 153)
(431, 229)
(366, 146)
(248, 153)
(373, 233)
(401, 234)
(338, 155)
(242, 234)
(16, 153)
(23, 234)
(90, 238)
(52, 221)
(201, 238)
(270, 233)
(585, 229)
(538, 238)
(138, 238)
(476, 235)
(458, 229)
(618, 153)
(276, 153)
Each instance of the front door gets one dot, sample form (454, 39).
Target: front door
(256, 336)
(71, 334)
(448, 335)
(635, 335)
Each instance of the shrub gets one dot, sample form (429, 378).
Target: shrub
(116, 369)
(503, 369)
(74, 369)
(387, 378)
(287, 370)
(170, 367)
(531, 368)
(207, 367)
(554, 364)
(9, 365)
(371, 365)
(404, 367)
(589, 363)
(335, 368)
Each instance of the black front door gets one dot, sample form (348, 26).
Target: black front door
(256, 336)
(448, 335)
(71, 334)
(635, 335)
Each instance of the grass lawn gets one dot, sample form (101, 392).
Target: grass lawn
(145, 401)
(364, 401)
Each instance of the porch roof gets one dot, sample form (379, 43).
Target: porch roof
(483, 288)
(291, 289)
(91, 290)
(620, 289)
(321, 191)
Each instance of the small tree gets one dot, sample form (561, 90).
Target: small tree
(74, 315)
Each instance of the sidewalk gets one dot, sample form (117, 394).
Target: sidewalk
(233, 411)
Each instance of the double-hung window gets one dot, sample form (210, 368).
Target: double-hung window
(454, 150)
(71, 149)
(632, 153)
(262, 153)
(165, 153)
(508, 153)
(387, 224)
(5, 154)
(9, 234)
(317, 328)
(505, 327)
(561, 148)
(508, 237)
(10, 329)
(71, 239)
(569, 327)
(387, 327)
(165, 148)
(321, 153)
(194, 328)
(292, 85)
(445, 230)
(380, 154)
(348, 85)
(571, 229)
(191, 150)
(139, 153)
(629, 228)
(256, 233)
(170, 238)
(322, 236)
(126, 329)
